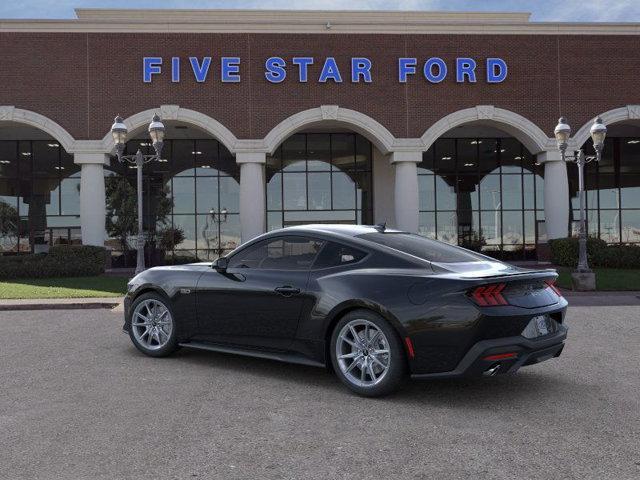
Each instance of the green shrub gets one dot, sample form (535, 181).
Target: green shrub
(61, 261)
(619, 256)
(564, 252)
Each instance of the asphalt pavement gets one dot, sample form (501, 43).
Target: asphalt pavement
(78, 401)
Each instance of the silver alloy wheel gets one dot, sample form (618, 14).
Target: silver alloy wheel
(362, 352)
(152, 324)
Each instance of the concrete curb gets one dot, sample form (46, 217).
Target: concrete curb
(602, 299)
(60, 304)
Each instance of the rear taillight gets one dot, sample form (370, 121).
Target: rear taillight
(489, 295)
(552, 285)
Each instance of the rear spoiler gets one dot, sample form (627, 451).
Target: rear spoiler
(502, 277)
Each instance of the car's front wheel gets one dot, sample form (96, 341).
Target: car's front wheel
(367, 354)
(153, 327)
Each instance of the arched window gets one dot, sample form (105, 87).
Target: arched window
(320, 178)
(481, 193)
(39, 195)
(612, 189)
(194, 190)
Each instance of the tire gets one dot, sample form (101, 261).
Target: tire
(357, 366)
(155, 336)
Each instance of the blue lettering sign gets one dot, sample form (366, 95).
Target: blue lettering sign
(434, 69)
(496, 70)
(276, 72)
(330, 71)
(303, 67)
(230, 69)
(175, 69)
(150, 66)
(360, 67)
(200, 71)
(465, 67)
(428, 70)
(406, 66)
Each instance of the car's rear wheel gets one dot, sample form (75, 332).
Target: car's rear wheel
(153, 327)
(367, 354)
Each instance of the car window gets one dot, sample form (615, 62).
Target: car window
(282, 253)
(335, 254)
(422, 247)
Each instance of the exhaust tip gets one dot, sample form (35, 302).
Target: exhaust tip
(492, 370)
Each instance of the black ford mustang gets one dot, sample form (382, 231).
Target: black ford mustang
(372, 304)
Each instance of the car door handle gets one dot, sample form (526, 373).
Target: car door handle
(287, 291)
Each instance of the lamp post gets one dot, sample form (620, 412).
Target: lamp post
(218, 219)
(156, 132)
(562, 133)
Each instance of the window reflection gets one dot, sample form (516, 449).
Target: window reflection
(319, 178)
(39, 196)
(612, 191)
(195, 189)
(481, 193)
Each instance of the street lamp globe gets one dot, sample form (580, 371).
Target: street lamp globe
(119, 133)
(562, 133)
(598, 133)
(156, 132)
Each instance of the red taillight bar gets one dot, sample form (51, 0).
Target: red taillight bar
(489, 295)
(501, 356)
(552, 285)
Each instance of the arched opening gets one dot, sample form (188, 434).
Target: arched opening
(481, 188)
(190, 197)
(321, 167)
(39, 190)
(612, 187)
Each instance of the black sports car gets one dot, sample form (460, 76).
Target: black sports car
(372, 304)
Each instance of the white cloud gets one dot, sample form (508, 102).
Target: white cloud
(543, 10)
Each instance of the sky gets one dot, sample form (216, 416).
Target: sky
(542, 10)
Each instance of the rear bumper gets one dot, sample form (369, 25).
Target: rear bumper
(528, 352)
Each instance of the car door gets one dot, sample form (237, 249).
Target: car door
(257, 300)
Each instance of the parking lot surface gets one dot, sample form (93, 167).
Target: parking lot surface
(78, 401)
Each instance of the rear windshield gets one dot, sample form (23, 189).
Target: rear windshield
(424, 248)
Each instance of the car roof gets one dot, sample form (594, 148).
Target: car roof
(340, 229)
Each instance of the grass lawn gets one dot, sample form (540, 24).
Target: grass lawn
(606, 278)
(73, 287)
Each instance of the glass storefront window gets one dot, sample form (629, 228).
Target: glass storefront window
(195, 188)
(612, 192)
(39, 196)
(483, 193)
(319, 178)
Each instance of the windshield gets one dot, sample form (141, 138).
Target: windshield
(421, 247)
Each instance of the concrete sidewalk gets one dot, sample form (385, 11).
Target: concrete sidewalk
(60, 303)
(601, 299)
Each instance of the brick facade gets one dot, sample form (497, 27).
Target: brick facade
(81, 80)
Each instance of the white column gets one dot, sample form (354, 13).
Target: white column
(383, 186)
(556, 194)
(252, 194)
(92, 197)
(406, 189)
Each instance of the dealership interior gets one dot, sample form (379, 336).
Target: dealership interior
(478, 186)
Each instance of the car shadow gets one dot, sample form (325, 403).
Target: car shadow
(527, 385)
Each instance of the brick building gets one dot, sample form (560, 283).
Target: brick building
(438, 123)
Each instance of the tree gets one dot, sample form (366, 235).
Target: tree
(122, 210)
(9, 222)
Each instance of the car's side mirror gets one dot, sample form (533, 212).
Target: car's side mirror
(221, 264)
